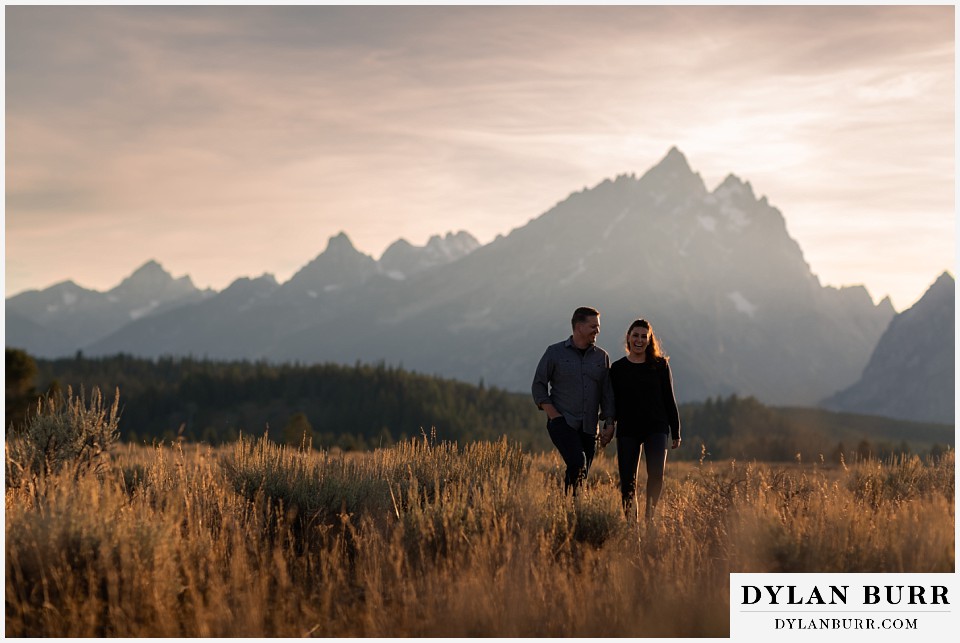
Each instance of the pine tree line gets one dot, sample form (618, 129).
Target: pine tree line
(368, 405)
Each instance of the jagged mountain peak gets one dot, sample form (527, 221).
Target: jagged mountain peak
(402, 259)
(453, 245)
(910, 374)
(675, 159)
(61, 295)
(340, 243)
(886, 305)
(675, 162)
(675, 173)
(67, 285)
(266, 280)
(152, 266)
(151, 272)
(339, 249)
(940, 290)
(75, 316)
(734, 185)
(339, 265)
(152, 280)
(400, 245)
(945, 280)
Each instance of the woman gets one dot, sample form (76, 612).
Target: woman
(647, 415)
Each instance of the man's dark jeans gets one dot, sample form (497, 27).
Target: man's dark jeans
(576, 448)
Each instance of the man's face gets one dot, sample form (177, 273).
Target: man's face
(586, 331)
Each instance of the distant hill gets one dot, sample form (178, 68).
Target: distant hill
(911, 373)
(716, 272)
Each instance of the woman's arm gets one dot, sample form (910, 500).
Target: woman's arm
(670, 404)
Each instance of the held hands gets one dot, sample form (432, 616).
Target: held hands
(606, 434)
(676, 443)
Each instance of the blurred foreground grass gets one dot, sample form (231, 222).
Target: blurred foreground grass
(435, 539)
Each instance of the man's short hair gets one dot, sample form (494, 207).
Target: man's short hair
(580, 315)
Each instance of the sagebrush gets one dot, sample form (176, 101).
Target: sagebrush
(62, 432)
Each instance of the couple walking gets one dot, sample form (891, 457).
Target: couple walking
(634, 396)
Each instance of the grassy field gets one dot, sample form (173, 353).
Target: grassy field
(432, 539)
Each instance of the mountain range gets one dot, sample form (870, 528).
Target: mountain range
(65, 317)
(725, 287)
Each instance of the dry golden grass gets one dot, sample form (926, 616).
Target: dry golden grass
(433, 540)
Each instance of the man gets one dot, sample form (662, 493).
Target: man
(572, 381)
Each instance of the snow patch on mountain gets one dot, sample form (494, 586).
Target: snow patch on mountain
(579, 270)
(736, 218)
(143, 311)
(742, 304)
(708, 223)
(613, 224)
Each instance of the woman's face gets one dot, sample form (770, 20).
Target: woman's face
(637, 340)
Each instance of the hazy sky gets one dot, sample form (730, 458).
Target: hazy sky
(232, 141)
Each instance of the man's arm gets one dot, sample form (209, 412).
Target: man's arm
(607, 408)
(541, 380)
(551, 410)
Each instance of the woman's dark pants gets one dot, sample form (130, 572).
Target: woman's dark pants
(576, 448)
(629, 448)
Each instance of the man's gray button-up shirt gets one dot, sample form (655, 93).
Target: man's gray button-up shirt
(576, 384)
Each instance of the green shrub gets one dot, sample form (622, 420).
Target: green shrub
(63, 432)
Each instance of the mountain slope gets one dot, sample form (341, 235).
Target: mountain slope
(911, 373)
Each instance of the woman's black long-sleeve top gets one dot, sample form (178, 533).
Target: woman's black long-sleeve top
(644, 398)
